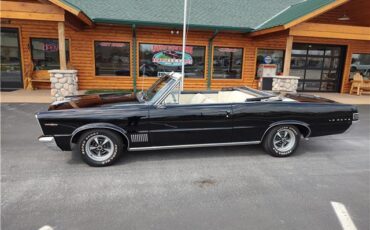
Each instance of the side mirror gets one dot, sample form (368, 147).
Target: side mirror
(161, 106)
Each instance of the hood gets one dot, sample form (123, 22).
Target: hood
(92, 100)
(308, 98)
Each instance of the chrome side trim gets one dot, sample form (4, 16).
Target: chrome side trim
(49, 141)
(188, 129)
(51, 124)
(62, 135)
(194, 146)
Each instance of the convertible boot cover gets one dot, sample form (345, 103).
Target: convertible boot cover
(84, 101)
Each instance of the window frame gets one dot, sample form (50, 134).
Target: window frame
(262, 48)
(51, 38)
(172, 44)
(242, 65)
(350, 76)
(130, 59)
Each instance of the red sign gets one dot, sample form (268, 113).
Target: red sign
(51, 47)
(158, 48)
(112, 44)
(227, 50)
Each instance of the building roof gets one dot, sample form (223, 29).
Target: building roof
(293, 12)
(240, 15)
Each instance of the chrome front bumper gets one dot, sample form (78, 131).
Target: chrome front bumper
(49, 141)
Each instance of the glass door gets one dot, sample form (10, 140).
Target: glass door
(11, 68)
(319, 66)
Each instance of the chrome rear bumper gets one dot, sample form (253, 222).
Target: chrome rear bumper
(49, 141)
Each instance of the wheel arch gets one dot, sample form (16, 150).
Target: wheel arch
(303, 127)
(78, 132)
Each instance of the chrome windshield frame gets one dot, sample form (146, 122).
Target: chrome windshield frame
(166, 90)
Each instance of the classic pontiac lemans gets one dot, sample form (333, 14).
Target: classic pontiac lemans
(102, 126)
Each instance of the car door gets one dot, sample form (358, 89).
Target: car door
(188, 124)
(250, 120)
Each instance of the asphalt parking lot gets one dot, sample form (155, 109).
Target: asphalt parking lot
(208, 188)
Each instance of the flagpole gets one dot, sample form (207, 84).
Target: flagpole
(183, 46)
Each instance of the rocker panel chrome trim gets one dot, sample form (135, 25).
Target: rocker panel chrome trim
(194, 146)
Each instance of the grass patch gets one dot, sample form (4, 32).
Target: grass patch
(98, 91)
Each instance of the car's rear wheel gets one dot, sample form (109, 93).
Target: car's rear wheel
(282, 141)
(100, 147)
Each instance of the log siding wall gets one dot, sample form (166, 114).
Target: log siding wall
(82, 51)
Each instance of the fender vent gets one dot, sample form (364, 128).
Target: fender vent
(139, 138)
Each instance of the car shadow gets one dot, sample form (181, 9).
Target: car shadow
(194, 153)
(178, 154)
(190, 153)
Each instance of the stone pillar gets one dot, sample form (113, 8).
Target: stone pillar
(285, 84)
(63, 83)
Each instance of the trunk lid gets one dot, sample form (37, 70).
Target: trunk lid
(308, 98)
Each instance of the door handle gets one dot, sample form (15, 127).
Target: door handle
(161, 106)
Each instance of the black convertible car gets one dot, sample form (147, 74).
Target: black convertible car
(164, 117)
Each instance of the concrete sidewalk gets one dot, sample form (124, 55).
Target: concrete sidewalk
(28, 96)
(43, 96)
(346, 98)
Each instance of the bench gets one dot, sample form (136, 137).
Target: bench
(359, 84)
(40, 76)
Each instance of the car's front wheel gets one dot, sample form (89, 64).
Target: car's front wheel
(100, 147)
(282, 141)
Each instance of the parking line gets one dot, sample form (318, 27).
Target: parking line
(46, 227)
(343, 216)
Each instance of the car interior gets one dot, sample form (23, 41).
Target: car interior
(208, 97)
(213, 97)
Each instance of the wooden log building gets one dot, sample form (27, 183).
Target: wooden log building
(128, 44)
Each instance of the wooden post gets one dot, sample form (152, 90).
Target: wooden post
(210, 59)
(288, 55)
(62, 46)
(134, 60)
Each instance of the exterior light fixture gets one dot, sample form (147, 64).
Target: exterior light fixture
(344, 18)
(175, 32)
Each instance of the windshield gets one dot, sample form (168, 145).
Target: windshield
(157, 89)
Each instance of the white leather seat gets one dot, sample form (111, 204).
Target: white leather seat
(198, 99)
(208, 101)
(232, 97)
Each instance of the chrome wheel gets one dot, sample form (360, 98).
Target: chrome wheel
(284, 140)
(99, 147)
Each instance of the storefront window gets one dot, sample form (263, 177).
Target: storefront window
(45, 53)
(227, 63)
(267, 56)
(360, 63)
(112, 58)
(158, 59)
